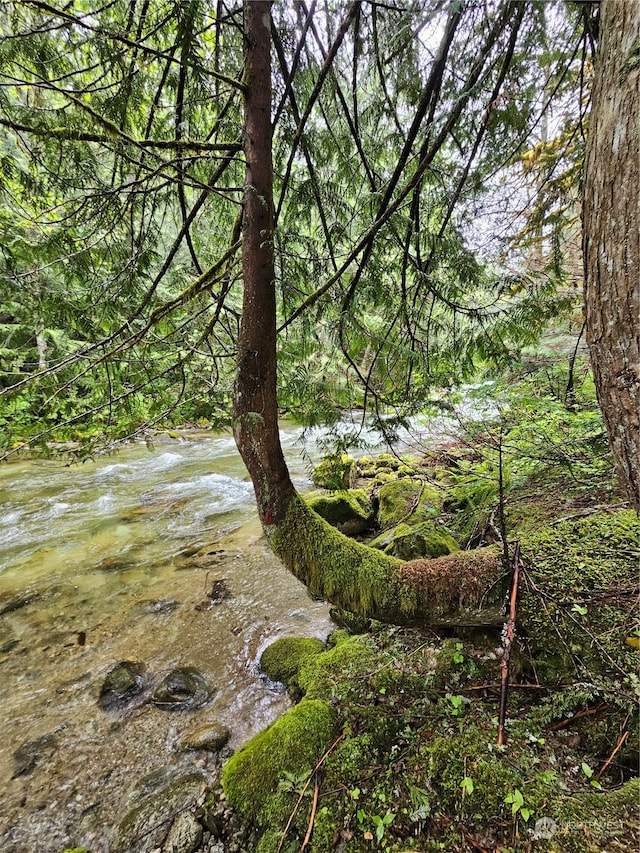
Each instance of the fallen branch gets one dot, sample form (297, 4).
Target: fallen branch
(314, 806)
(508, 636)
(618, 746)
(304, 790)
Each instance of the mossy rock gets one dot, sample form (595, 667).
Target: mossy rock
(348, 510)
(413, 542)
(283, 658)
(289, 748)
(333, 472)
(319, 675)
(585, 572)
(407, 500)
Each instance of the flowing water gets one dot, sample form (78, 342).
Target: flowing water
(112, 560)
(118, 559)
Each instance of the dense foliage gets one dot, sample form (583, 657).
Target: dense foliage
(407, 255)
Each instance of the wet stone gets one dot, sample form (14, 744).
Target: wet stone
(30, 754)
(212, 737)
(147, 824)
(122, 684)
(183, 689)
(9, 603)
(161, 606)
(185, 835)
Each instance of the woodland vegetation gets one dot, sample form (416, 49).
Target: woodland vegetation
(216, 213)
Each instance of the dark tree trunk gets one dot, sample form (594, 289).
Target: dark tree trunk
(255, 399)
(349, 574)
(611, 223)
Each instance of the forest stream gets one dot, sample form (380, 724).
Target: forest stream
(153, 557)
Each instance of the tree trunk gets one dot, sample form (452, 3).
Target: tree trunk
(255, 411)
(611, 227)
(350, 575)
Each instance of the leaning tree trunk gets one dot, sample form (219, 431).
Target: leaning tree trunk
(611, 227)
(350, 575)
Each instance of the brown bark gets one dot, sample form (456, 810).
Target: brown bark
(255, 398)
(611, 227)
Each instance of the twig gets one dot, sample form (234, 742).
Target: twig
(586, 712)
(508, 637)
(474, 844)
(314, 806)
(304, 790)
(618, 746)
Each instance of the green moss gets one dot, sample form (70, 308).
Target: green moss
(333, 472)
(587, 822)
(350, 510)
(282, 659)
(410, 542)
(320, 675)
(292, 745)
(351, 575)
(407, 500)
(581, 609)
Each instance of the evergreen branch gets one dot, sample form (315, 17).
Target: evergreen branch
(120, 39)
(70, 135)
(322, 76)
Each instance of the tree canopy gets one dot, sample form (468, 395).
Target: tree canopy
(408, 139)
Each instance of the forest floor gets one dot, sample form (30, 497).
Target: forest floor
(393, 744)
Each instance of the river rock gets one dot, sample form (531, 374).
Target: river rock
(9, 602)
(145, 827)
(160, 606)
(122, 683)
(30, 754)
(211, 737)
(183, 689)
(185, 835)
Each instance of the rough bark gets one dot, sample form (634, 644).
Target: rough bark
(611, 227)
(255, 399)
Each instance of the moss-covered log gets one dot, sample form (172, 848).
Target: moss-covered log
(464, 588)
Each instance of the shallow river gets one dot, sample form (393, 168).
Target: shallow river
(113, 560)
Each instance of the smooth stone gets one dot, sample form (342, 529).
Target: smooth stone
(122, 683)
(211, 737)
(145, 827)
(30, 754)
(185, 835)
(182, 689)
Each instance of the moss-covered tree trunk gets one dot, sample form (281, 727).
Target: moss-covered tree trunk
(611, 219)
(350, 575)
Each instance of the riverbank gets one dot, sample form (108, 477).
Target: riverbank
(394, 744)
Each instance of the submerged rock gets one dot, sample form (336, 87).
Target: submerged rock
(183, 689)
(9, 603)
(122, 684)
(211, 737)
(185, 835)
(30, 754)
(146, 826)
(160, 606)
